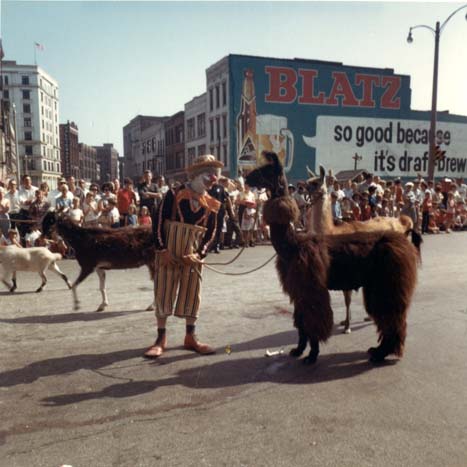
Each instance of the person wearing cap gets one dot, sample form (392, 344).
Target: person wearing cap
(410, 203)
(184, 228)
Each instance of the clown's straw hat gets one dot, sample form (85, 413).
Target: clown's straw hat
(202, 163)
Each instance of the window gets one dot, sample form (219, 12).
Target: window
(42, 97)
(26, 108)
(211, 128)
(28, 150)
(6, 80)
(6, 94)
(27, 122)
(201, 150)
(191, 155)
(224, 126)
(224, 94)
(217, 97)
(211, 101)
(224, 154)
(25, 80)
(218, 128)
(201, 125)
(190, 128)
(26, 94)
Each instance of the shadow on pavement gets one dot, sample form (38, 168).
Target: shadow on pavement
(238, 372)
(67, 317)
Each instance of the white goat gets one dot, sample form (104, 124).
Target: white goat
(37, 259)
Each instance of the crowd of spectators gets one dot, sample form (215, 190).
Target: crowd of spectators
(432, 207)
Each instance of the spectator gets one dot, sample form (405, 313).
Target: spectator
(132, 218)
(90, 210)
(63, 203)
(409, 200)
(11, 239)
(427, 206)
(4, 213)
(113, 213)
(39, 206)
(336, 208)
(144, 216)
(32, 236)
(125, 197)
(27, 193)
(76, 214)
(149, 193)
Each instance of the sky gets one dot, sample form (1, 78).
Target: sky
(114, 60)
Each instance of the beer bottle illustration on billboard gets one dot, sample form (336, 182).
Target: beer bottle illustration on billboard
(246, 122)
(258, 133)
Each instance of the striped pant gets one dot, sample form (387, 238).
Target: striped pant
(179, 283)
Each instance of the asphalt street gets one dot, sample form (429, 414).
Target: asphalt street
(75, 390)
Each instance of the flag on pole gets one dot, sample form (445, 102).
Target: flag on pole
(39, 46)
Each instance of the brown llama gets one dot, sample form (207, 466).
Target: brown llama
(383, 263)
(320, 221)
(99, 249)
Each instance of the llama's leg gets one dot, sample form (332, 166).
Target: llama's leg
(44, 281)
(302, 339)
(82, 275)
(390, 319)
(314, 352)
(13, 280)
(54, 267)
(348, 317)
(101, 274)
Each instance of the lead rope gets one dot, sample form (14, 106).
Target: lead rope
(240, 273)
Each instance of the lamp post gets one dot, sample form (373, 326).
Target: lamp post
(434, 97)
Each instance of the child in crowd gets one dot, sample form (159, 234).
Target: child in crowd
(76, 214)
(144, 217)
(132, 218)
(248, 222)
(32, 236)
(11, 239)
(114, 214)
(427, 207)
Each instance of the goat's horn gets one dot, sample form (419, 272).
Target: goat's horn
(310, 172)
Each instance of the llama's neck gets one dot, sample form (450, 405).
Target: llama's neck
(321, 216)
(280, 213)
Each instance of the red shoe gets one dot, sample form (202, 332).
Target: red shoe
(192, 344)
(157, 349)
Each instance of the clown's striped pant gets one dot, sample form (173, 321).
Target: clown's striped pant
(178, 282)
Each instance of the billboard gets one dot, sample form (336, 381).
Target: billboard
(313, 112)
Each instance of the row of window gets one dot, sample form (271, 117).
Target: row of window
(201, 127)
(216, 136)
(153, 146)
(174, 135)
(214, 95)
(201, 149)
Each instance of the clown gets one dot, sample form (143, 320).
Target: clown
(184, 228)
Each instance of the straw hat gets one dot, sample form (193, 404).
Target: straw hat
(202, 163)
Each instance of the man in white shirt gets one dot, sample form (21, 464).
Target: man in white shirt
(27, 192)
(12, 195)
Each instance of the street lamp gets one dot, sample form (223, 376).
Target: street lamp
(434, 98)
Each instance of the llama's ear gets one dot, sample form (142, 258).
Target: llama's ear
(322, 173)
(311, 174)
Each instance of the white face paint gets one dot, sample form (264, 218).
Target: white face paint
(205, 180)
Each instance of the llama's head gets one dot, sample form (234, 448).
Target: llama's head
(316, 184)
(269, 176)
